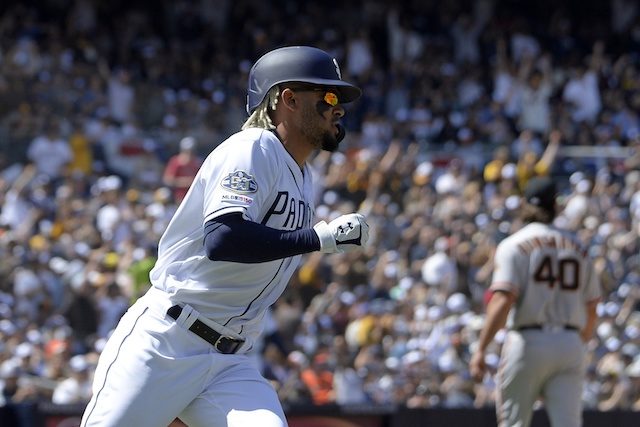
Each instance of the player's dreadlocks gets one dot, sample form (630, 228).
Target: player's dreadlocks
(260, 116)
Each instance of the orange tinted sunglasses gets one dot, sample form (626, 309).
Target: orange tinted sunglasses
(330, 96)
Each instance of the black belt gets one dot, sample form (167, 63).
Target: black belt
(541, 327)
(225, 345)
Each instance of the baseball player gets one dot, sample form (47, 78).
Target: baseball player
(226, 256)
(546, 276)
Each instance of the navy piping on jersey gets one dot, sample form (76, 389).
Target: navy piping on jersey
(225, 208)
(114, 361)
(294, 179)
(257, 296)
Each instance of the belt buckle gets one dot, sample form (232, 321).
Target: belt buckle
(226, 345)
(553, 328)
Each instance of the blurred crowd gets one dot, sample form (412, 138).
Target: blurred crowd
(108, 108)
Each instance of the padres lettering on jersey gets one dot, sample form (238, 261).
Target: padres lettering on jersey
(267, 187)
(295, 213)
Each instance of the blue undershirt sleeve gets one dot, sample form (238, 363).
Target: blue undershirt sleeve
(232, 238)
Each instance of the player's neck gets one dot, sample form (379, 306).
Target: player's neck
(299, 151)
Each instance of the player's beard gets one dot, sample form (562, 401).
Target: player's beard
(330, 142)
(321, 138)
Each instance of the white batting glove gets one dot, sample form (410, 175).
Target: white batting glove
(344, 234)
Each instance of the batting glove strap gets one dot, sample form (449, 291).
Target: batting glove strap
(327, 240)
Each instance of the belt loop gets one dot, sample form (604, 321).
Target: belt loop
(187, 316)
(185, 313)
(191, 315)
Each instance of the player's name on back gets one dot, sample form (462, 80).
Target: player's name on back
(553, 242)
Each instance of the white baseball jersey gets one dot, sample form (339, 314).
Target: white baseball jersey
(252, 173)
(551, 274)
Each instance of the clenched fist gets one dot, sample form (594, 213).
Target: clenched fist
(344, 234)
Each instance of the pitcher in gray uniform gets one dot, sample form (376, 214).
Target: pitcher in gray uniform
(226, 256)
(546, 291)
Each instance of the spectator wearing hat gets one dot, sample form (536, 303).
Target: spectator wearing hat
(109, 214)
(182, 169)
(18, 391)
(453, 180)
(440, 269)
(77, 387)
(576, 203)
(9, 375)
(292, 389)
(318, 377)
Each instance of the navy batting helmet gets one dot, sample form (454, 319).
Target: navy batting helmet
(296, 64)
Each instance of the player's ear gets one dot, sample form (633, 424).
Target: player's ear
(288, 98)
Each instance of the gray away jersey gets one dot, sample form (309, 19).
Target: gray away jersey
(549, 272)
(252, 173)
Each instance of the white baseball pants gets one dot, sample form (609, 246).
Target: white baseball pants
(543, 364)
(154, 369)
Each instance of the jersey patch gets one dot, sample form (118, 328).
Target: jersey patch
(240, 182)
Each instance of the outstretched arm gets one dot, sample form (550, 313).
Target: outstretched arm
(232, 238)
(543, 166)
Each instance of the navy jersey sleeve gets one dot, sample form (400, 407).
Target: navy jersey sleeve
(232, 238)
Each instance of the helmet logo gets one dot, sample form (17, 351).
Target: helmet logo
(337, 68)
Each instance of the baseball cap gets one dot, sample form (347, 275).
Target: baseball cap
(187, 143)
(78, 363)
(10, 369)
(23, 350)
(457, 303)
(541, 191)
